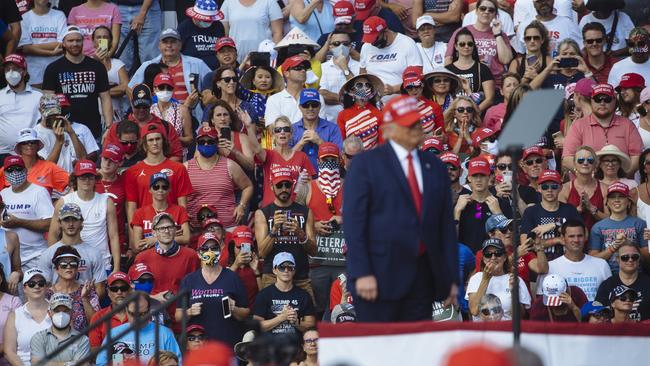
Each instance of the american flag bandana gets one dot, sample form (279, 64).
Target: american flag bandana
(553, 301)
(329, 178)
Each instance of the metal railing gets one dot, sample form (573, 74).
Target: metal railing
(134, 327)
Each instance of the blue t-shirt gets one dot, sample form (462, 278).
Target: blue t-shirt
(124, 346)
(466, 264)
(210, 295)
(603, 234)
(270, 302)
(199, 42)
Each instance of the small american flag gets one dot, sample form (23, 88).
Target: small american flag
(553, 301)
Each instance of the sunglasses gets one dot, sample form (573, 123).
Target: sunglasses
(312, 105)
(503, 166)
(32, 142)
(610, 161)
(465, 110)
(627, 298)
(553, 186)
(284, 185)
(128, 142)
(298, 68)
(14, 169)
(286, 129)
(208, 215)
(32, 284)
(594, 41)
(603, 314)
(506, 229)
(452, 167)
(487, 9)
(209, 248)
(638, 44)
(286, 268)
(158, 187)
(628, 257)
(440, 81)
(123, 288)
(582, 161)
(465, 44)
(229, 79)
(491, 311)
(204, 142)
(411, 87)
(66, 265)
(537, 161)
(165, 87)
(195, 338)
(337, 43)
(532, 38)
(360, 85)
(602, 99)
(497, 254)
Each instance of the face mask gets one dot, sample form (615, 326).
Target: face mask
(363, 94)
(164, 95)
(207, 150)
(144, 287)
(13, 77)
(642, 111)
(493, 148)
(16, 178)
(311, 77)
(209, 258)
(341, 51)
(203, 24)
(61, 320)
(380, 42)
(129, 149)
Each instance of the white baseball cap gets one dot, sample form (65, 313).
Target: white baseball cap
(552, 287)
(425, 19)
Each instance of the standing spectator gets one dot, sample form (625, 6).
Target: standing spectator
(28, 211)
(533, 163)
(226, 51)
(11, 19)
(431, 51)
(314, 18)
(41, 48)
(46, 341)
(225, 87)
(379, 40)
(118, 79)
(536, 56)
(556, 77)
(494, 115)
(119, 288)
(444, 86)
(430, 113)
(629, 93)
(208, 286)
(462, 118)
(598, 62)
(232, 142)
(145, 19)
(201, 30)
(616, 24)
(369, 8)
(613, 165)
(282, 307)
(18, 101)
(84, 81)
(578, 268)
(244, 261)
(560, 302)
(622, 299)
(92, 14)
(8, 302)
(452, 161)
(336, 71)
(251, 22)
(447, 14)
(361, 117)
(344, 15)
(27, 320)
(639, 60)
(179, 115)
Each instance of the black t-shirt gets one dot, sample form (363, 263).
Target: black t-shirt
(536, 215)
(288, 241)
(477, 74)
(8, 14)
(199, 42)
(641, 307)
(270, 302)
(81, 83)
(210, 295)
(471, 227)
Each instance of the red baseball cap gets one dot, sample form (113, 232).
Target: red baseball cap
(152, 127)
(620, 188)
(603, 89)
(478, 166)
(343, 8)
(402, 110)
(432, 143)
(211, 220)
(205, 237)
(372, 27)
(208, 131)
(281, 175)
(412, 76)
(195, 327)
(210, 354)
(113, 153)
(224, 42)
(163, 79)
(584, 87)
(118, 276)
(481, 134)
(533, 150)
(14, 160)
(328, 149)
(363, 8)
(449, 157)
(294, 61)
(137, 270)
(631, 80)
(15, 59)
(549, 176)
(242, 234)
(83, 167)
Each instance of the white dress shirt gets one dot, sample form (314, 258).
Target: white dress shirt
(402, 156)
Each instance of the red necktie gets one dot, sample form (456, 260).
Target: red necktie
(415, 193)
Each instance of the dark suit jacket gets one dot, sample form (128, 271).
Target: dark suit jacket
(382, 230)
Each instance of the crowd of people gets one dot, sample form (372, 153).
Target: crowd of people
(208, 156)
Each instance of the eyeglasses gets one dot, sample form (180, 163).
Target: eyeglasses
(203, 216)
(594, 41)
(195, 338)
(86, 177)
(337, 43)
(158, 187)
(209, 248)
(284, 185)
(628, 257)
(628, 297)
(487, 9)
(165, 87)
(491, 311)
(537, 161)
(66, 265)
(610, 161)
(32, 142)
(14, 169)
(286, 129)
(128, 142)
(452, 167)
(503, 166)
(440, 81)
(298, 68)
(359, 85)
(311, 105)
(553, 186)
(602, 99)
(469, 110)
(166, 228)
(583, 161)
(32, 284)
(465, 44)
(411, 87)
(204, 142)
(286, 268)
(532, 38)
(123, 288)
(506, 229)
(229, 79)
(311, 340)
(497, 254)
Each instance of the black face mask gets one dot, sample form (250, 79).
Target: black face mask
(642, 111)
(381, 42)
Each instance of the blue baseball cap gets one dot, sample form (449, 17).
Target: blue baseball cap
(283, 257)
(309, 95)
(156, 177)
(592, 307)
(496, 222)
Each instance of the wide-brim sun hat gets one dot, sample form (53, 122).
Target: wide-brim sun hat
(376, 83)
(246, 79)
(443, 71)
(626, 163)
(297, 36)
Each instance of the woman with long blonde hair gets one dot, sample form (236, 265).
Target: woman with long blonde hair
(461, 119)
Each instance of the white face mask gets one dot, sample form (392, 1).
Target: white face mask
(341, 51)
(493, 147)
(13, 77)
(164, 95)
(61, 319)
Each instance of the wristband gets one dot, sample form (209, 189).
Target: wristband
(497, 35)
(304, 241)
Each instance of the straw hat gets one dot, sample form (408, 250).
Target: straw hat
(626, 163)
(296, 36)
(246, 79)
(374, 81)
(443, 71)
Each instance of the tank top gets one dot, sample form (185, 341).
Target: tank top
(26, 328)
(94, 230)
(287, 241)
(212, 187)
(318, 203)
(642, 209)
(596, 199)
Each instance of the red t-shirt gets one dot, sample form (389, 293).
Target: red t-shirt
(169, 271)
(117, 192)
(175, 147)
(97, 334)
(180, 91)
(318, 203)
(136, 180)
(363, 122)
(247, 277)
(275, 161)
(144, 215)
(539, 311)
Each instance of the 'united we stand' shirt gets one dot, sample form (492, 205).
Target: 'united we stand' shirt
(81, 83)
(271, 301)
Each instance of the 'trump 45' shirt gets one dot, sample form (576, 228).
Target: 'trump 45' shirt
(81, 83)
(270, 302)
(388, 63)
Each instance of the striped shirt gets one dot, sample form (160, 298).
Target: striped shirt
(431, 115)
(212, 187)
(363, 122)
(180, 91)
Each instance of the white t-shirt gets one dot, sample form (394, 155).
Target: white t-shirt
(39, 29)
(34, 203)
(623, 27)
(500, 287)
(283, 104)
(524, 9)
(389, 63)
(432, 57)
(91, 267)
(95, 230)
(332, 80)
(507, 26)
(587, 274)
(558, 29)
(625, 66)
(67, 156)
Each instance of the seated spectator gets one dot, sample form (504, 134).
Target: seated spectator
(490, 308)
(610, 14)
(532, 164)
(297, 43)
(344, 15)
(622, 299)
(118, 79)
(595, 313)
(225, 85)
(495, 278)
(128, 137)
(452, 161)
(208, 222)
(27, 320)
(639, 58)
(141, 224)
(431, 50)
(536, 56)
(444, 85)
(309, 348)
(200, 30)
(560, 302)
(595, 39)
(283, 308)
(613, 163)
(47, 340)
(136, 310)
(369, 8)
(556, 77)
(112, 183)
(119, 288)
(244, 261)
(628, 257)
(226, 51)
(337, 70)
(8, 302)
(494, 115)
(629, 93)
(178, 115)
(228, 124)
(430, 113)
(461, 119)
(361, 117)
(195, 337)
(208, 287)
